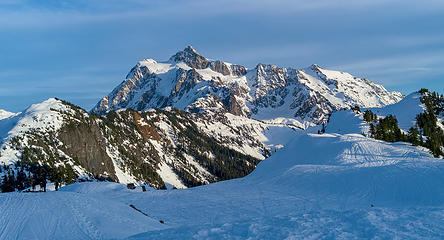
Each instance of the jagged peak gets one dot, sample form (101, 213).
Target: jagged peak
(191, 57)
(147, 60)
(264, 65)
(315, 66)
(330, 74)
(190, 49)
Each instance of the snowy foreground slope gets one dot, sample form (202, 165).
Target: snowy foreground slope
(68, 215)
(333, 185)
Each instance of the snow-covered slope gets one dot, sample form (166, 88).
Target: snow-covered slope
(5, 114)
(191, 82)
(38, 120)
(43, 116)
(69, 215)
(316, 194)
(319, 186)
(405, 111)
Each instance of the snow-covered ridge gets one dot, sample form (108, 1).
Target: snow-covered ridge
(191, 82)
(5, 114)
(405, 110)
(44, 116)
(42, 119)
(346, 89)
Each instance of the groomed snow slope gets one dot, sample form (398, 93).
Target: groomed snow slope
(69, 215)
(329, 186)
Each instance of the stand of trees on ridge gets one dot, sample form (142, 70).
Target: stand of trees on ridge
(426, 133)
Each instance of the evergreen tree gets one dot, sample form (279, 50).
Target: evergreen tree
(413, 136)
(356, 109)
(8, 183)
(4, 184)
(387, 129)
(370, 117)
(372, 130)
(427, 122)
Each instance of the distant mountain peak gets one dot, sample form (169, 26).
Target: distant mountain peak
(190, 49)
(191, 57)
(314, 65)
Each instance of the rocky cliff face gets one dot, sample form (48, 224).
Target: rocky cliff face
(191, 82)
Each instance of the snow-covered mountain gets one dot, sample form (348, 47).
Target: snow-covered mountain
(191, 82)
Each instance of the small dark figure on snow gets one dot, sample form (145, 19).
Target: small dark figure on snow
(43, 186)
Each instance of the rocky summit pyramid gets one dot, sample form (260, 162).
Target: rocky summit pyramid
(191, 82)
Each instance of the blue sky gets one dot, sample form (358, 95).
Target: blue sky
(80, 50)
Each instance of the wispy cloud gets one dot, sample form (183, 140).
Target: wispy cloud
(400, 71)
(412, 62)
(47, 14)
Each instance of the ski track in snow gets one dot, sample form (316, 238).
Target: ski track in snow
(68, 215)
